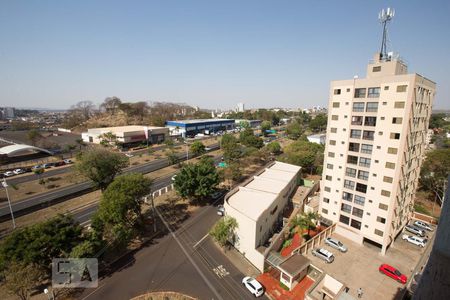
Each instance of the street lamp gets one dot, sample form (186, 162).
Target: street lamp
(5, 185)
(50, 296)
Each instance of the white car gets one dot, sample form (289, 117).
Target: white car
(323, 254)
(220, 210)
(423, 225)
(253, 286)
(9, 173)
(335, 244)
(19, 171)
(129, 155)
(68, 161)
(418, 241)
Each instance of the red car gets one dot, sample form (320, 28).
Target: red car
(393, 273)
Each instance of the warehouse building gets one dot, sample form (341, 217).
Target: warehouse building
(258, 206)
(251, 123)
(189, 128)
(127, 135)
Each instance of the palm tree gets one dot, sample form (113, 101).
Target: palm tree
(306, 221)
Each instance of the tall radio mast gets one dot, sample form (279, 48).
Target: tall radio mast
(385, 17)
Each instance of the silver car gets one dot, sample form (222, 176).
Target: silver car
(415, 230)
(323, 254)
(423, 225)
(335, 244)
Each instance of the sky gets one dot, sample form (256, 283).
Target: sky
(212, 54)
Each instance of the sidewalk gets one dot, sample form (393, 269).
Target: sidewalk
(239, 261)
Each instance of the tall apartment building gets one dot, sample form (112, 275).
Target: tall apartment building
(376, 136)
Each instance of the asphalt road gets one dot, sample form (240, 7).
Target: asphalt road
(43, 200)
(164, 266)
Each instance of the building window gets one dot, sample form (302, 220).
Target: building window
(330, 166)
(358, 107)
(353, 147)
(328, 177)
(347, 208)
(360, 200)
(401, 88)
(370, 121)
(365, 148)
(392, 150)
(399, 104)
(344, 219)
(363, 175)
(378, 232)
(334, 117)
(355, 224)
(362, 188)
(333, 130)
(376, 69)
(381, 220)
(274, 210)
(352, 159)
(350, 172)
(390, 165)
(355, 134)
(347, 196)
(357, 212)
(383, 206)
(372, 107)
(397, 120)
(395, 136)
(357, 120)
(384, 103)
(325, 211)
(368, 135)
(360, 93)
(364, 162)
(348, 90)
(373, 92)
(380, 132)
(388, 179)
(385, 193)
(330, 154)
(386, 88)
(326, 200)
(335, 104)
(327, 189)
(337, 91)
(348, 184)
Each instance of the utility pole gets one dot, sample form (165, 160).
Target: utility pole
(5, 185)
(153, 212)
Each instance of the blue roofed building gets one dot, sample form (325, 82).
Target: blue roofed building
(189, 128)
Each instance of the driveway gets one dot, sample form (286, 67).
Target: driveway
(358, 268)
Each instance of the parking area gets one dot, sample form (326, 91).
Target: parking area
(358, 267)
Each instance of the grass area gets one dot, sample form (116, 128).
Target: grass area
(284, 287)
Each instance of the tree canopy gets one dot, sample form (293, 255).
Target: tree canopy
(197, 181)
(223, 230)
(294, 130)
(274, 148)
(303, 153)
(435, 170)
(230, 147)
(265, 125)
(319, 123)
(197, 148)
(101, 166)
(248, 138)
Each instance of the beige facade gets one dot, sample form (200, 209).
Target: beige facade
(376, 136)
(258, 205)
(127, 134)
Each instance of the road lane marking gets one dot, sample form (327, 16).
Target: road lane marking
(221, 271)
(201, 240)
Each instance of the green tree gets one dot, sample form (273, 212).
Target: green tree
(197, 181)
(265, 125)
(248, 138)
(306, 221)
(80, 143)
(244, 124)
(69, 148)
(38, 172)
(223, 230)
(171, 157)
(197, 148)
(120, 209)
(294, 130)
(108, 139)
(305, 154)
(230, 147)
(20, 279)
(40, 243)
(437, 121)
(434, 172)
(169, 143)
(274, 148)
(34, 136)
(101, 166)
(319, 123)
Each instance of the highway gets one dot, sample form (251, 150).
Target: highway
(47, 199)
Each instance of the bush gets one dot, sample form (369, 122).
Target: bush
(418, 207)
(287, 243)
(284, 286)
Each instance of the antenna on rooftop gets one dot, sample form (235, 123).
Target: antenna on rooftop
(385, 17)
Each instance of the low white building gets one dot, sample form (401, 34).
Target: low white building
(258, 205)
(317, 138)
(127, 134)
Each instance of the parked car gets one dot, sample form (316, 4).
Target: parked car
(59, 163)
(36, 167)
(9, 173)
(323, 254)
(48, 165)
(418, 241)
(68, 161)
(415, 230)
(217, 194)
(423, 225)
(19, 171)
(393, 273)
(253, 286)
(220, 210)
(335, 244)
(129, 155)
